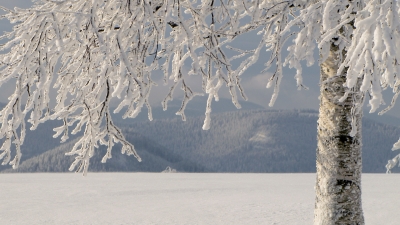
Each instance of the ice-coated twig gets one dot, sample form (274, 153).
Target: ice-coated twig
(108, 50)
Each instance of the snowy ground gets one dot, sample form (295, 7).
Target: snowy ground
(181, 198)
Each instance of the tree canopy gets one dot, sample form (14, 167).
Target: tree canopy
(96, 51)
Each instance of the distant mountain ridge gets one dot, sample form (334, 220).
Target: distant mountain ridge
(241, 141)
(263, 141)
(155, 159)
(40, 140)
(196, 107)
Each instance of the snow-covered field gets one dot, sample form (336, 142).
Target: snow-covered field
(181, 198)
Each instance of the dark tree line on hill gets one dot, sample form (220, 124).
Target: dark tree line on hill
(242, 141)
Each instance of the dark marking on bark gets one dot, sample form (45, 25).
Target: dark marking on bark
(344, 183)
(345, 138)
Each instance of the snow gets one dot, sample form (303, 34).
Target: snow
(179, 198)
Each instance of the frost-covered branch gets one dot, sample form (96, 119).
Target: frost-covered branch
(93, 51)
(374, 55)
(96, 51)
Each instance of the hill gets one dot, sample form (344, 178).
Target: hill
(155, 159)
(195, 108)
(262, 141)
(40, 140)
(242, 141)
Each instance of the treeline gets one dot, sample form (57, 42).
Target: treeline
(241, 141)
(155, 159)
(261, 141)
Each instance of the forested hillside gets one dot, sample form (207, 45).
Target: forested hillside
(244, 141)
(262, 141)
(155, 159)
(195, 108)
(241, 141)
(41, 140)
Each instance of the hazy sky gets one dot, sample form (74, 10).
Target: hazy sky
(253, 82)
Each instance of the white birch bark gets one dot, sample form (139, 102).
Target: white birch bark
(338, 184)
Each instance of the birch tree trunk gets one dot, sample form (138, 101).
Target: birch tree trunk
(338, 184)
